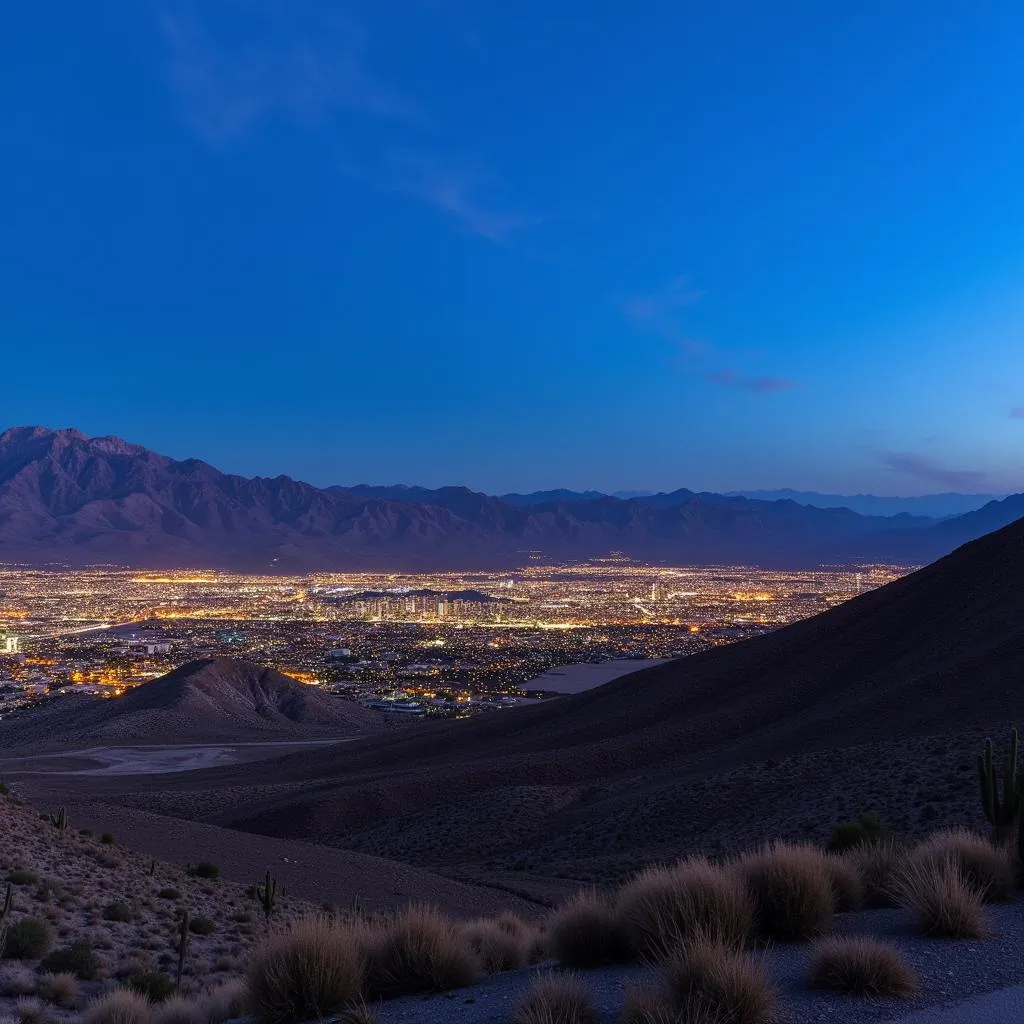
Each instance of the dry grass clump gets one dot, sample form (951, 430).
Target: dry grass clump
(588, 932)
(417, 950)
(31, 1011)
(847, 884)
(226, 1001)
(308, 971)
(944, 904)
(122, 1006)
(879, 865)
(61, 989)
(863, 967)
(988, 869)
(496, 948)
(180, 1010)
(664, 907)
(556, 999)
(791, 888)
(707, 981)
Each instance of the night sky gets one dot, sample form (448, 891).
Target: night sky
(520, 244)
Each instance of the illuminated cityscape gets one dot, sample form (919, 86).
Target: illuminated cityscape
(422, 644)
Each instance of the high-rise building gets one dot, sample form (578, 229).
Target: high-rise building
(11, 644)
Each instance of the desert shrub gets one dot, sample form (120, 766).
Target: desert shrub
(154, 985)
(791, 889)
(588, 932)
(226, 1001)
(169, 894)
(861, 966)
(862, 831)
(306, 972)
(122, 1006)
(879, 864)
(119, 912)
(31, 1011)
(201, 926)
(417, 950)
(77, 958)
(180, 1010)
(204, 869)
(86, 832)
(556, 999)
(61, 989)
(4, 789)
(107, 839)
(847, 884)
(22, 877)
(942, 901)
(707, 981)
(988, 869)
(497, 949)
(27, 939)
(663, 907)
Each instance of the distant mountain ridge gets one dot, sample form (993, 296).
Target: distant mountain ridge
(65, 497)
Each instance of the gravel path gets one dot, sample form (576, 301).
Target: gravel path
(951, 972)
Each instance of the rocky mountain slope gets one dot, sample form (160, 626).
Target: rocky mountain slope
(881, 703)
(212, 700)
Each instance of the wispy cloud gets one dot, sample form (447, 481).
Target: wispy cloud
(663, 313)
(275, 64)
(460, 191)
(924, 468)
(757, 385)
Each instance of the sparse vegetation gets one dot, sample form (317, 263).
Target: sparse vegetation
(588, 932)
(305, 972)
(204, 869)
(662, 908)
(863, 830)
(107, 839)
(122, 1006)
(986, 868)
(201, 926)
(556, 999)
(879, 865)
(417, 950)
(154, 985)
(944, 904)
(60, 989)
(77, 958)
(707, 981)
(119, 912)
(22, 877)
(27, 939)
(861, 966)
(847, 884)
(496, 948)
(791, 889)
(169, 894)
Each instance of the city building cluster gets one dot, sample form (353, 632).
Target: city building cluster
(417, 644)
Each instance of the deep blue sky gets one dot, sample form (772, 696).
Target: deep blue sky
(522, 243)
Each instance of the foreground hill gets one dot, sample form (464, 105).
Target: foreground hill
(69, 498)
(211, 700)
(880, 703)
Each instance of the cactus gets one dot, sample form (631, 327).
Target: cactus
(8, 906)
(60, 819)
(182, 947)
(152, 868)
(266, 895)
(1001, 810)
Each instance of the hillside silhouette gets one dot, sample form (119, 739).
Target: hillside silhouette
(207, 700)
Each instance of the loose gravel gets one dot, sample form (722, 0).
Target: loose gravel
(951, 971)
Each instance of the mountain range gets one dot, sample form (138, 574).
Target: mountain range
(68, 498)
